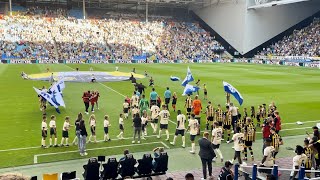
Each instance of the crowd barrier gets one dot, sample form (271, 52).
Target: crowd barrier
(293, 62)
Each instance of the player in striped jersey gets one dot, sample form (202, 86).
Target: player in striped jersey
(227, 123)
(276, 141)
(181, 120)
(219, 116)
(308, 151)
(188, 105)
(249, 134)
(210, 116)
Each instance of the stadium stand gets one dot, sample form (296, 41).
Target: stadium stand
(304, 42)
(56, 36)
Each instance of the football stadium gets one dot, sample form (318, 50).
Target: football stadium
(160, 89)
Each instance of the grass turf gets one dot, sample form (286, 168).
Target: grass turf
(294, 90)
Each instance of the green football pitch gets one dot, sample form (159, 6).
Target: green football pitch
(295, 91)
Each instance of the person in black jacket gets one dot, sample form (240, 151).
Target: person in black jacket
(83, 138)
(206, 154)
(137, 123)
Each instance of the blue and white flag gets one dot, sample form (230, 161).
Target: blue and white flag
(231, 90)
(189, 89)
(174, 78)
(56, 94)
(58, 85)
(188, 78)
(49, 98)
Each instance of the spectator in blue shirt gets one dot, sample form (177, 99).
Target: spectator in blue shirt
(167, 96)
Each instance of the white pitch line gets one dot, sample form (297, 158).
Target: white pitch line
(302, 122)
(288, 129)
(104, 85)
(165, 145)
(172, 122)
(112, 89)
(92, 149)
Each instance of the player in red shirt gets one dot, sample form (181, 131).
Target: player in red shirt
(86, 99)
(97, 98)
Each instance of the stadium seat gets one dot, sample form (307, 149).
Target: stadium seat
(68, 175)
(50, 176)
(161, 163)
(127, 166)
(145, 165)
(91, 169)
(110, 169)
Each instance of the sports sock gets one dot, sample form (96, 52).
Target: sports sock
(220, 154)
(62, 140)
(174, 139)
(167, 132)
(55, 141)
(183, 140)
(251, 152)
(50, 141)
(245, 152)
(160, 133)
(193, 147)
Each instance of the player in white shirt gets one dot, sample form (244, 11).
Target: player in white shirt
(125, 109)
(53, 130)
(193, 127)
(65, 132)
(154, 117)
(106, 125)
(298, 161)
(44, 131)
(134, 100)
(216, 139)
(181, 119)
(268, 160)
(144, 120)
(92, 123)
(164, 120)
(121, 127)
(238, 140)
(135, 110)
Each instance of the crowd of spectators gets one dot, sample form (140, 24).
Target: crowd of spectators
(304, 42)
(48, 34)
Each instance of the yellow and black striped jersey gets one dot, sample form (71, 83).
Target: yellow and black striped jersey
(308, 152)
(276, 139)
(228, 118)
(249, 132)
(188, 103)
(240, 123)
(219, 115)
(210, 111)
